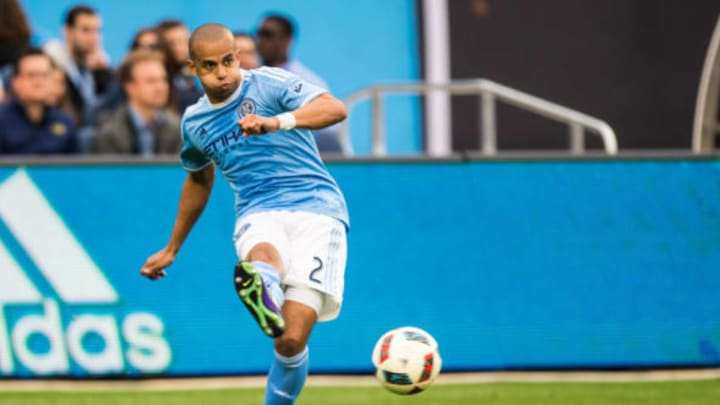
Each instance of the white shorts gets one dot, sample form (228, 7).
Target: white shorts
(313, 249)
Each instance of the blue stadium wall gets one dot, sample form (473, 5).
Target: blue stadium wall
(536, 264)
(351, 44)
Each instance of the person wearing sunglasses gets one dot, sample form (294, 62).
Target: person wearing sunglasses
(274, 40)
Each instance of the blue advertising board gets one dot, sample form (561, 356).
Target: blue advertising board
(545, 264)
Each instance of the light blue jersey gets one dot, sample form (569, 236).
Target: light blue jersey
(277, 171)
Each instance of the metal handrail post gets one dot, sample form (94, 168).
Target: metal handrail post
(489, 126)
(379, 141)
(705, 123)
(577, 139)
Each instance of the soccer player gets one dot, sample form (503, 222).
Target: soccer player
(290, 233)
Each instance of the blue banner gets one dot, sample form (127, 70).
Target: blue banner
(548, 264)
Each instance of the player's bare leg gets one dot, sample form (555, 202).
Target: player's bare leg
(257, 282)
(290, 368)
(266, 253)
(300, 322)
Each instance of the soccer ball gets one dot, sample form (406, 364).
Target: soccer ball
(406, 360)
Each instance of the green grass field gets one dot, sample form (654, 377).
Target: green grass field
(656, 393)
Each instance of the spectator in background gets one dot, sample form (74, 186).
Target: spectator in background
(246, 50)
(146, 38)
(27, 124)
(175, 37)
(82, 58)
(14, 38)
(142, 125)
(274, 40)
(275, 37)
(58, 95)
(14, 31)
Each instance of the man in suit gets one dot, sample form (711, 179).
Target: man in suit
(142, 125)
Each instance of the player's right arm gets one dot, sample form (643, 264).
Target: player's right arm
(193, 198)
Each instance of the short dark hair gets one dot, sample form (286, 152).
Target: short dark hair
(27, 52)
(72, 14)
(14, 26)
(284, 21)
(125, 72)
(135, 44)
(168, 24)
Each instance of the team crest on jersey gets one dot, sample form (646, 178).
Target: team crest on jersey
(247, 107)
(297, 88)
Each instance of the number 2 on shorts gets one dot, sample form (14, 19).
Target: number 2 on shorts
(315, 270)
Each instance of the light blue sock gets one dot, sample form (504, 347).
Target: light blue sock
(271, 279)
(286, 378)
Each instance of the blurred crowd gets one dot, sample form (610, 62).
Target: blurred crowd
(64, 97)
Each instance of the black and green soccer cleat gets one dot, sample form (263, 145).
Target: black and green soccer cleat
(258, 299)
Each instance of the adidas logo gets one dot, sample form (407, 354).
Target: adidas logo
(77, 332)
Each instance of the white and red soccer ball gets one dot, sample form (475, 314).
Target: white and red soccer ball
(406, 360)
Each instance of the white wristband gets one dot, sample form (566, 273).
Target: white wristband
(287, 120)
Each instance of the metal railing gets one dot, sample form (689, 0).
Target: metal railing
(705, 123)
(489, 93)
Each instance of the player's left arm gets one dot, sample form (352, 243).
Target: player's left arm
(322, 111)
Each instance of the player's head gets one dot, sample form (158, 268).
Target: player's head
(214, 61)
(274, 37)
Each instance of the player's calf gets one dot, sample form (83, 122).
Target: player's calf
(258, 298)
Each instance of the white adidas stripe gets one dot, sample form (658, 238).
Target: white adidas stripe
(272, 75)
(275, 71)
(14, 284)
(50, 244)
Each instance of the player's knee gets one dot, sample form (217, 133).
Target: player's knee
(265, 252)
(289, 345)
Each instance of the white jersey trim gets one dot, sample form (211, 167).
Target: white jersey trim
(312, 96)
(278, 75)
(234, 96)
(195, 169)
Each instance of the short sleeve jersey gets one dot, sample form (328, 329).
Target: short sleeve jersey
(281, 170)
